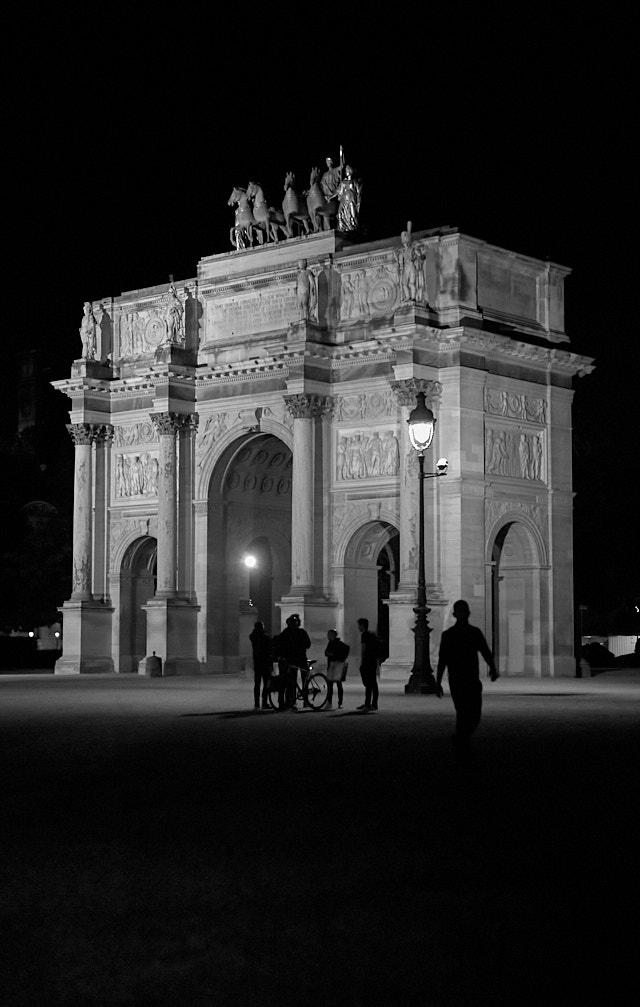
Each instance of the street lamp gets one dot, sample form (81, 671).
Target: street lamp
(421, 428)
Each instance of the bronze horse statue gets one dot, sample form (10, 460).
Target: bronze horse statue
(245, 228)
(294, 209)
(267, 218)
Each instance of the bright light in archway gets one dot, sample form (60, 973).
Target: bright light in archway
(250, 561)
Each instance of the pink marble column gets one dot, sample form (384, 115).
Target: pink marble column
(305, 409)
(167, 425)
(83, 436)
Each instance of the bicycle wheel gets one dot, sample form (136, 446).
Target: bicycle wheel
(316, 691)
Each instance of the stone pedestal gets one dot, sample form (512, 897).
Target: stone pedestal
(87, 639)
(171, 633)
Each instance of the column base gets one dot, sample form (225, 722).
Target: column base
(87, 639)
(171, 633)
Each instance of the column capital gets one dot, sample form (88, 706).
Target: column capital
(103, 433)
(309, 406)
(407, 390)
(82, 433)
(188, 424)
(166, 424)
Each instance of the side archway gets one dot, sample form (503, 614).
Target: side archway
(371, 569)
(518, 597)
(138, 577)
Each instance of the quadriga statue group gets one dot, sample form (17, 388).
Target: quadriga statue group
(331, 201)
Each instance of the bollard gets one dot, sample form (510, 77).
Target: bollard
(150, 667)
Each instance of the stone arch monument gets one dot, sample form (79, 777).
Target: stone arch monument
(263, 403)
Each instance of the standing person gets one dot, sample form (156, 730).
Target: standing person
(336, 653)
(368, 665)
(459, 648)
(293, 644)
(262, 664)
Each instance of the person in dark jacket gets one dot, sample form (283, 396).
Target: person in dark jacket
(369, 663)
(459, 649)
(336, 653)
(262, 664)
(292, 646)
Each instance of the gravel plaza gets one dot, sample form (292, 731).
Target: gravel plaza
(164, 843)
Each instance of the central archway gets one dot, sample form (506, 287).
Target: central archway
(249, 508)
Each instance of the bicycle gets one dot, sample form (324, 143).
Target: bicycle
(313, 692)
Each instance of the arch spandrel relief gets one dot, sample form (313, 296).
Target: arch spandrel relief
(534, 515)
(347, 517)
(124, 531)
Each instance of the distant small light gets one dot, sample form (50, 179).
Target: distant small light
(31, 633)
(250, 561)
(57, 636)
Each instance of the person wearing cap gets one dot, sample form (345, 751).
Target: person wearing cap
(292, 646)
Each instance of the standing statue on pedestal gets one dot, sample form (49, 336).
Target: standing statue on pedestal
(411, 277)
(88, 333)
(173, 316)
(306, 291)
(349, 196)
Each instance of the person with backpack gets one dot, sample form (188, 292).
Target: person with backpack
(336, 653)
(369, 664)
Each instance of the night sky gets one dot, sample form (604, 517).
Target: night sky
(126, 136)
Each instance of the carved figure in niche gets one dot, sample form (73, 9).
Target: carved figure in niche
(138, 335)
(362, 292)
(407, 273)
(121, 485)
(349, 196)
(374, 456)
(306, 291)
(537, 457)
(391, 457)
(348, 296)
(524, 451)
(88, 333)
(173, 316)
(341, 463)
(126, 335)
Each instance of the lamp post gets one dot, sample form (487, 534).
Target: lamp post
(421, 428)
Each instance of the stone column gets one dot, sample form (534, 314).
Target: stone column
(186, 461)
(103, 440)
(83, 436)
(304, 409)
(304, 595)
(87, 638)
(167, 425)
(171, 618)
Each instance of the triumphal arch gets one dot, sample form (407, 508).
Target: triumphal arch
(259, 408)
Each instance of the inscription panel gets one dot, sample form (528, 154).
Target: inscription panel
(246, 314)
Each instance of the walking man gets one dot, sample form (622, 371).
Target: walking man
(368, 665)
(459, 648)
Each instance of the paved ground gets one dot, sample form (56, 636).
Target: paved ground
(161, 843)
